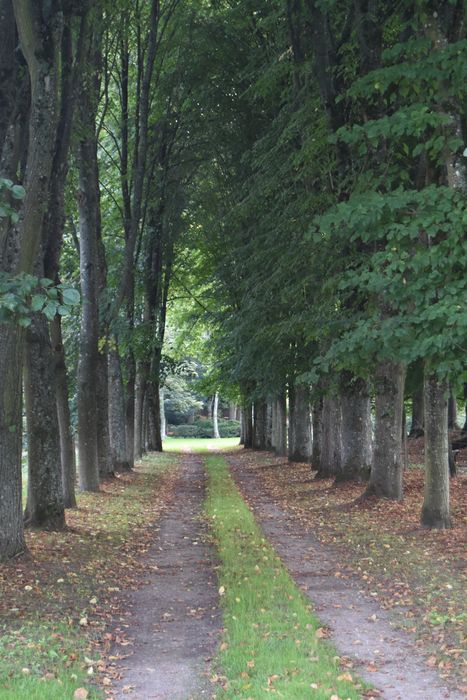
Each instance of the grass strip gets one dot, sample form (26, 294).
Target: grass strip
(200, 444)
(272, 642)
(57, 604)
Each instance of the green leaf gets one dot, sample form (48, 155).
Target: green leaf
(18, 192)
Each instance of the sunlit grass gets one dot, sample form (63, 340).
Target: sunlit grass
(199, 444)
(272, 641)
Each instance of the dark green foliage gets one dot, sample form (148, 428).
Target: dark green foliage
(204, 429)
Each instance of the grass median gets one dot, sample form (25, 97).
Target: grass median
(272, 641)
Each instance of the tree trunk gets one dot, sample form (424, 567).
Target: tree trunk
(67, 446)
(247, 420)
(260, 424)
(387, 469)
(19, 244)
(140, 398)
(269, 426)
(355, 429)
(317, 434)
(215, 422)
(290, 418)
(417, 428)
(465, 406)
(104, 449)
(117, 413)
(452, 412)
(154, 416)
(232, 411)
(280, 441)
(162, 411)
(130, 410)
(11, 510)
(331, 442)
(435, 510)
(300, 422)
(87, 379)
(45, 506)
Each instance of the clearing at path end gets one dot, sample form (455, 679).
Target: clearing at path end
(174, 619)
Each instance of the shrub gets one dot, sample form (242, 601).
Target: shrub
(204, 428)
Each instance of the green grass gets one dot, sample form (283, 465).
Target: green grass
(35, 663)
(199, 444)
(270, 642)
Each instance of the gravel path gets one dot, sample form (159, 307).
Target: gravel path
(174, 618)
(384, 657)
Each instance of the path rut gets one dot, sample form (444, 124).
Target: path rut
(174, 618)
(384, 657)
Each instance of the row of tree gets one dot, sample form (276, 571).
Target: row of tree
(282, 181)
(95, 111)
(333, 216)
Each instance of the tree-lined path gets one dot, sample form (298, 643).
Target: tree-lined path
(175, 618)
(240, 222)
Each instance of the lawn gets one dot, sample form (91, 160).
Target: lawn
(272, 642)
(200, 444)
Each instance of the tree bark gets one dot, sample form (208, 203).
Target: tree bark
(435, 510)
(11, 511)
(260, 421)
(67, 446)
(215, 421)
(89, 332)
(418, 422)
(387, 468)
(104, 449)
(317, 434)
(299, 424)
(232, 411)
(247, 421)
(117, 412)
(162, 410)
(140, 396)
(269, 425)
(40, 38)
(355, 429)
(45, 504)
(280, 425)
(452, 412)
(331, 443)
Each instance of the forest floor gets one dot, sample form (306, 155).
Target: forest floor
(128, 595)
(60, 602)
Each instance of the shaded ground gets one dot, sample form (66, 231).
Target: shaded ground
(173, 618)
(57, 602)
(282, 496)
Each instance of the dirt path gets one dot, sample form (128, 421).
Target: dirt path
(174, 617)
(361, 630)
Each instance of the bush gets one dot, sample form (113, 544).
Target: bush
(204, 429)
